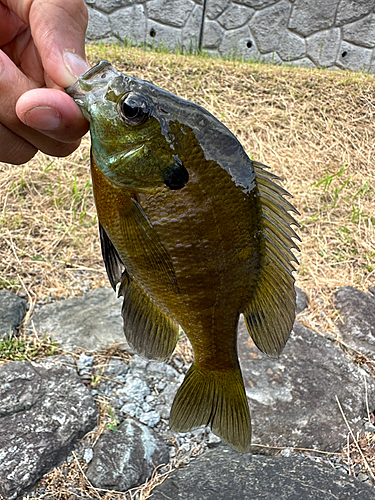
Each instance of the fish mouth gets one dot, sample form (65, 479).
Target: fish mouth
(97, 76)
(76, 93)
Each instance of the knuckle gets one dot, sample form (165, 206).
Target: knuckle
(17, 151)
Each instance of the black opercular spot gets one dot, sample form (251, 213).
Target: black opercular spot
(176, 176)
(152, 32)
(344, 54)
(249, 44)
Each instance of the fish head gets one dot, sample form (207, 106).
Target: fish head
(142, 135)
(129, 143)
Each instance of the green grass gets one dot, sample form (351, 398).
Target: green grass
(16, 348)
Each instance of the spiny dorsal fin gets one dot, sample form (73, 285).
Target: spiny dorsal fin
(215, 398)
(147, 329)
(270, 315)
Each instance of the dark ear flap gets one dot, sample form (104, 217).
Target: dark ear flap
(176, 176)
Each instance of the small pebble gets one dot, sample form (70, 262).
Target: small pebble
(88, 455)
(150, 418)
(213, 440)
(362, 477)
(286, 453)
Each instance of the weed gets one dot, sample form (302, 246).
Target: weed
(14, 348)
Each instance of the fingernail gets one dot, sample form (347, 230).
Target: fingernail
(74, 63)
(43, 118)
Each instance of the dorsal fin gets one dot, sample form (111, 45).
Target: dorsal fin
(270, 315)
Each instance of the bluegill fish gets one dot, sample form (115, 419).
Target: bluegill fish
(195, 233)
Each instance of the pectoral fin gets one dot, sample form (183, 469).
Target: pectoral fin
(143, 244)
(270, 315)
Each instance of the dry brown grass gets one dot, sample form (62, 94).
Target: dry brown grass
(314, 128)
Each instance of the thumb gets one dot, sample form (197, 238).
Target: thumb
(58, 29)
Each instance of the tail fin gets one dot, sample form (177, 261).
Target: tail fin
(217, 399)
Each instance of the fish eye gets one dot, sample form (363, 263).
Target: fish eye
(133, 109)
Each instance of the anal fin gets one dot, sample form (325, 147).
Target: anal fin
(147, 329)
(215, 398)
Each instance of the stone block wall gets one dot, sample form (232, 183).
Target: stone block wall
(330, 33)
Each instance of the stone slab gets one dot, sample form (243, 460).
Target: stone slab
(225, 474)
(293, 398)
(91, 322)
(44, 410)
(126, 458)
(357, 312)
(268, 26)
(12, 312)
(308, 17)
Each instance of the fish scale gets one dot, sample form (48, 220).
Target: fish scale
(195, 233)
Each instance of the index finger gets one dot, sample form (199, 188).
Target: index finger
(58, 29)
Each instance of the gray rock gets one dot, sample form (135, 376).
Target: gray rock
(12, 312)
(308, 17)
(84, 363)
(351, 10)
(271, 58)
(291, 47)
(268, 26)
(305, 62)
(235, 17)
(126, 458)
(135, 389)
(323, 47)
(293, 398)
(302, 300)
(256, 4)
(88, 455)
(170, 12)
(191, 30)
(361, 32)
(372, 70)
(235, 43)
(216, 7)
(357, 311)
(212, 35)
(98, 25)
(44, 410)
(224, 474)
(129, 409)
(163, 35)
(108, 5)
(115, 368)
(91, 322)
(129, 24)
(150, 418)
(353, 57)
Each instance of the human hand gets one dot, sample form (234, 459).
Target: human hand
(42, 51)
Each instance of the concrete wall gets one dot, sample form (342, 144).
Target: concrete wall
(330, 33)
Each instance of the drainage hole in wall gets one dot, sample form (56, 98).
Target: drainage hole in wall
(152, 32)
(249, 44)
(344, 54)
